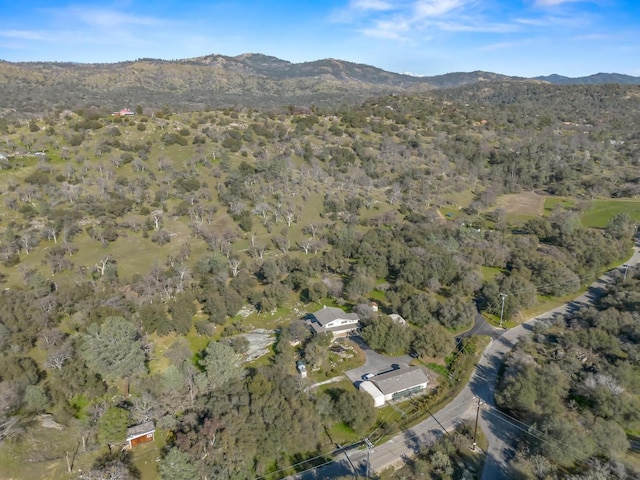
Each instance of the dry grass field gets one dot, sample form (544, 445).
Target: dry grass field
(521, 206)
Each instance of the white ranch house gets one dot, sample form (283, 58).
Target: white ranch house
(333, 320)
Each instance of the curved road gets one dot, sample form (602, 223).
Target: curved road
(500, 434)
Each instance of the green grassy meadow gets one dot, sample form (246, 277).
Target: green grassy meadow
(601, 211)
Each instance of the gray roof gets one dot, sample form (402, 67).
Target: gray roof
(141, 429)
(329, 314)
(399, 380)
(317, 328)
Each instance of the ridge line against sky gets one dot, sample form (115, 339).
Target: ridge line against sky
(420, 37)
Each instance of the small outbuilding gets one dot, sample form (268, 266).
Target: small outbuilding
(302, 368)
(138, 434)
(397, 319)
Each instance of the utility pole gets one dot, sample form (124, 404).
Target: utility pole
(355, 472)
(626, 268)
(475, 430)
(369, 447)
(503, 296)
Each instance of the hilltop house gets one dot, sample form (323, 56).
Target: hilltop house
(395, 385)
(333, 320)
(125, 112)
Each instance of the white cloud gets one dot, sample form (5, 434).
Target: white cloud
(394, 29)
(106, 18)
(436, 8)
(576, 21)
(410, 19)
(470, 25)
(24, 34)
(375, 5)
(552, 3)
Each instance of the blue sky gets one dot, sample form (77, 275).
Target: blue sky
(421, 37)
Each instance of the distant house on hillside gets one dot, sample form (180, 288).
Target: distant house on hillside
(333, 320)
(138, 434)
(125, 112)
(397, 319)
(302, 368)
(395, 385)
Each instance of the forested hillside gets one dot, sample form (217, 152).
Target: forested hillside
(136, 251)
(218, 81)
(574, 384)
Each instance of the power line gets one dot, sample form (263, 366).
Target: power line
(342, 449)
(465, 342)
(512, 421)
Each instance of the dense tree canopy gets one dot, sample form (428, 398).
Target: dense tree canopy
(144, 247)
(114, 349)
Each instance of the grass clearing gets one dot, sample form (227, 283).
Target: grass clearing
(601, 211)
(342, 434)
(459, 199)
(451, 212)
(523, 206)
(197, 342)
(550, 204)
(41, 453)
(489, 273)
(145, 456)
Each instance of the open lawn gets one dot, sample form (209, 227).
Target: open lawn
(601, 211)
(551, 202)
(489, 273)
(459, 199)
(145, 456)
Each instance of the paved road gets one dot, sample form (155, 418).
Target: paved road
(481, 327)
(499, 433)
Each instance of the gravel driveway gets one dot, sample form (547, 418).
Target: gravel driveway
(376, 362)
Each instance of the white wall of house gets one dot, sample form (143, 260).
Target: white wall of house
(371, 389)
(420, 386)
(340, 321)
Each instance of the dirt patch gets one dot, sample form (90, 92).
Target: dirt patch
(525, 203)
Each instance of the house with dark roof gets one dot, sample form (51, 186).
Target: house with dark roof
(395, 385)
(333, 320)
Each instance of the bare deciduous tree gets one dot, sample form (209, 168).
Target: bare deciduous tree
(234, 265)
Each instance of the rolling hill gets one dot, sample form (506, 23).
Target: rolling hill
(248, 80)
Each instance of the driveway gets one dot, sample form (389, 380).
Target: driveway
(376, 362)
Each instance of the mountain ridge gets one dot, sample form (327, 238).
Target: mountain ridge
(251, 80)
